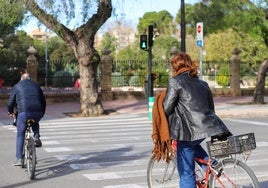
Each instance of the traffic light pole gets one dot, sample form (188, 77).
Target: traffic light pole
(150, 79)
(147, 44)
(183, 29)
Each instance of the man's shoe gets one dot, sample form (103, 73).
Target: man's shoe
(37, 142)
(18, 162)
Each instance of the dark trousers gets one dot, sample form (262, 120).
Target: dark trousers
(21, 129)
(186, 153)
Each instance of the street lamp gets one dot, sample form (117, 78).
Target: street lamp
(46, 59)
(183, 29)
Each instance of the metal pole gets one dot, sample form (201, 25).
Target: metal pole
(46, 65)
(183, 29)
(200, 63)
(150, 80)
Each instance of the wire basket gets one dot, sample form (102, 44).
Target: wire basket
(233, 145)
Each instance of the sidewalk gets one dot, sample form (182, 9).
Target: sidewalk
(225, 107)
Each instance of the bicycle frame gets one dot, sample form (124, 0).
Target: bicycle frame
(204, 183)
(229, 171)
(213, 176)
(209, 171)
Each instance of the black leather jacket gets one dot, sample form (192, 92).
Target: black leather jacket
(190, 109)
(26, 96)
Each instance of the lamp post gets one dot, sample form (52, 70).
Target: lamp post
(46, 59)
(183, 29)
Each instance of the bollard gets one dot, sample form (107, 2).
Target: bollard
(150, 107)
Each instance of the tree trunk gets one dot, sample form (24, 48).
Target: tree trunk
(82, 42)
(90, 103)
(89, 59)
(258, 97)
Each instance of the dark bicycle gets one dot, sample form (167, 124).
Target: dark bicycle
(29, 159)
(29, 151)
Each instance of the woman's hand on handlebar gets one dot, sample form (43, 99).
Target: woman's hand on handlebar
(11, 114)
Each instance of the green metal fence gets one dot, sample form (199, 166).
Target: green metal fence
(124, 73)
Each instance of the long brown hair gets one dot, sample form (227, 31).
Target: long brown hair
(182, 62)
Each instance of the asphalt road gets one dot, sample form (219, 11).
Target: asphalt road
(106, 152)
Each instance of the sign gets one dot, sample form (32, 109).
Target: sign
(199, 43)
(199, 34)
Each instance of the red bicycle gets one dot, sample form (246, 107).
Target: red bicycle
(229, 171)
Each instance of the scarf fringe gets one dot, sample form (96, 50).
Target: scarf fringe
(163, 151)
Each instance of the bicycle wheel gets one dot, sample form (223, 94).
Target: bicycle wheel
(31, 158)
(161, 174)
(23, 161)
(234, 173)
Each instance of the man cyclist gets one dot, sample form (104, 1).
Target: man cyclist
(29, 101)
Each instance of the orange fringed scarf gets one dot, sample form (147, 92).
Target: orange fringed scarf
(160, 131)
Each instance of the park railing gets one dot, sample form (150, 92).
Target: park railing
(127, 73)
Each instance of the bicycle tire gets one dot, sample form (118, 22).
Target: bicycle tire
(23, 161)
(31, 158)
(235, 173)
(160, 173)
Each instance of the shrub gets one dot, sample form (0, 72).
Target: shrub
(223, 77)
(161, 79)
(62, 79)
(134, 81)
(118, 80)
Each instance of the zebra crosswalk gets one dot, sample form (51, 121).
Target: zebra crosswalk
(108, 152)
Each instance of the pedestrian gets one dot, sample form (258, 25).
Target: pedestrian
(77, 83)
(189, 107)
(28, 102)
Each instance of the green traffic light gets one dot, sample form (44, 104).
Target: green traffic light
(143, 45)
(143, 42)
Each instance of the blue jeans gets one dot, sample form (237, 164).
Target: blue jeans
(186, 153)
(21, 129)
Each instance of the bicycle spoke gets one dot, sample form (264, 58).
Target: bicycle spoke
(162, 174)
(235, 174)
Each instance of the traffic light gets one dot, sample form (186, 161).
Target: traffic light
(143, 42)
(151, 35)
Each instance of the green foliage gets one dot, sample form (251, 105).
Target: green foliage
(223, 76)
(219, 16)
(62, 79)
(161, 79)
(11, 16)
(134, 81)
(132, 52)
(10, 76)
(14, 52)
(118, 80)
(219, 48)
(162, 21)
(59, 50)
(108, 41)
(163, 45)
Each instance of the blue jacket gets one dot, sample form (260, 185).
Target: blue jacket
(26, 96)
(190, 109)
